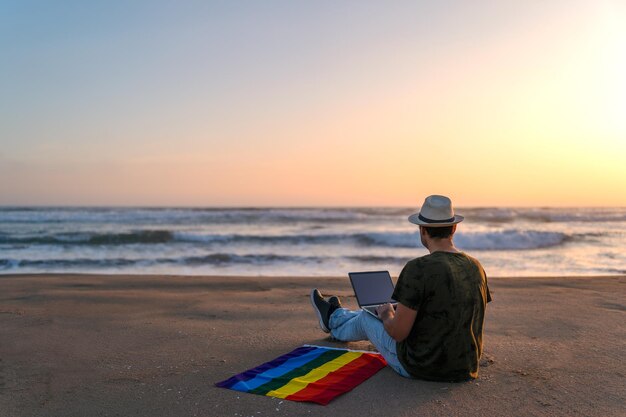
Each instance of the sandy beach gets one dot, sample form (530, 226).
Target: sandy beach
(98, 345)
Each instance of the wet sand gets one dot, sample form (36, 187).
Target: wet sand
(96, 345)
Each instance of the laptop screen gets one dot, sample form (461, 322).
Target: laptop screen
(372, 287)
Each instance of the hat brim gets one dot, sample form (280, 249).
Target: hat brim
(414, 218)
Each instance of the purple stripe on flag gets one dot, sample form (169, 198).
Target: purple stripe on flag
(249, 374)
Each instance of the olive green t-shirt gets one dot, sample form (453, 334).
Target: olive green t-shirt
(450, 293)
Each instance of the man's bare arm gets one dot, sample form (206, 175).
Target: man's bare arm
(397, 323)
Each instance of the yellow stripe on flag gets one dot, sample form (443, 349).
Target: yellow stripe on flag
(316, 374)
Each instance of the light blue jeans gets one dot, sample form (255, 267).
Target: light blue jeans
(352, 326)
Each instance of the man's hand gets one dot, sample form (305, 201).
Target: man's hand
(398, 323)
(385, 311)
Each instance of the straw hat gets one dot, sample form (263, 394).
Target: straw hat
(436, 211)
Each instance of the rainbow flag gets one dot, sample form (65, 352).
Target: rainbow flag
(309, 373)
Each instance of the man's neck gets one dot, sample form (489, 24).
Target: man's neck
(441, 245)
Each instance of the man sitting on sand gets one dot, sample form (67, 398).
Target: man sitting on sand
(436, 331)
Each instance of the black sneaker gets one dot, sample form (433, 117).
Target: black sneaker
(335, 302)
(323, 309)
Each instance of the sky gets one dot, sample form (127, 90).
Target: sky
(301, 103)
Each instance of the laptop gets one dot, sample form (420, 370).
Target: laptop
(372, 289)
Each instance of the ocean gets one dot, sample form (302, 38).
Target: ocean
(509, 242)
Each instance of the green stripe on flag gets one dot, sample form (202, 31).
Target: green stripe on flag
(303, 370)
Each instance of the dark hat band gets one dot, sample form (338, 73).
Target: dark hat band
(427, 220)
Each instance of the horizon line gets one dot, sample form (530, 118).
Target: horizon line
(297, 207)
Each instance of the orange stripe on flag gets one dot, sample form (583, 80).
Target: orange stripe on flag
(341, 380)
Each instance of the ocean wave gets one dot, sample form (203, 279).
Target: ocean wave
(389, 239)
(193, 216)
(544, 215)
(511, 239)
(228, 258)
(378, 259)
(272, 216)
(96, 238)
(261, 239)
(164, 236)
(69, 263)
(213, 259)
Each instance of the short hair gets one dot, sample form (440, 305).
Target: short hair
(439, 232)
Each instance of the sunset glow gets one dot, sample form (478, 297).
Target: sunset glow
(518, 104)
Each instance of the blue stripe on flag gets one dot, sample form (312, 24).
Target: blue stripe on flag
(278, 371)
(251, 373)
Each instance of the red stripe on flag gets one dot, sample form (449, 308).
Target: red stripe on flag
(340, 381)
